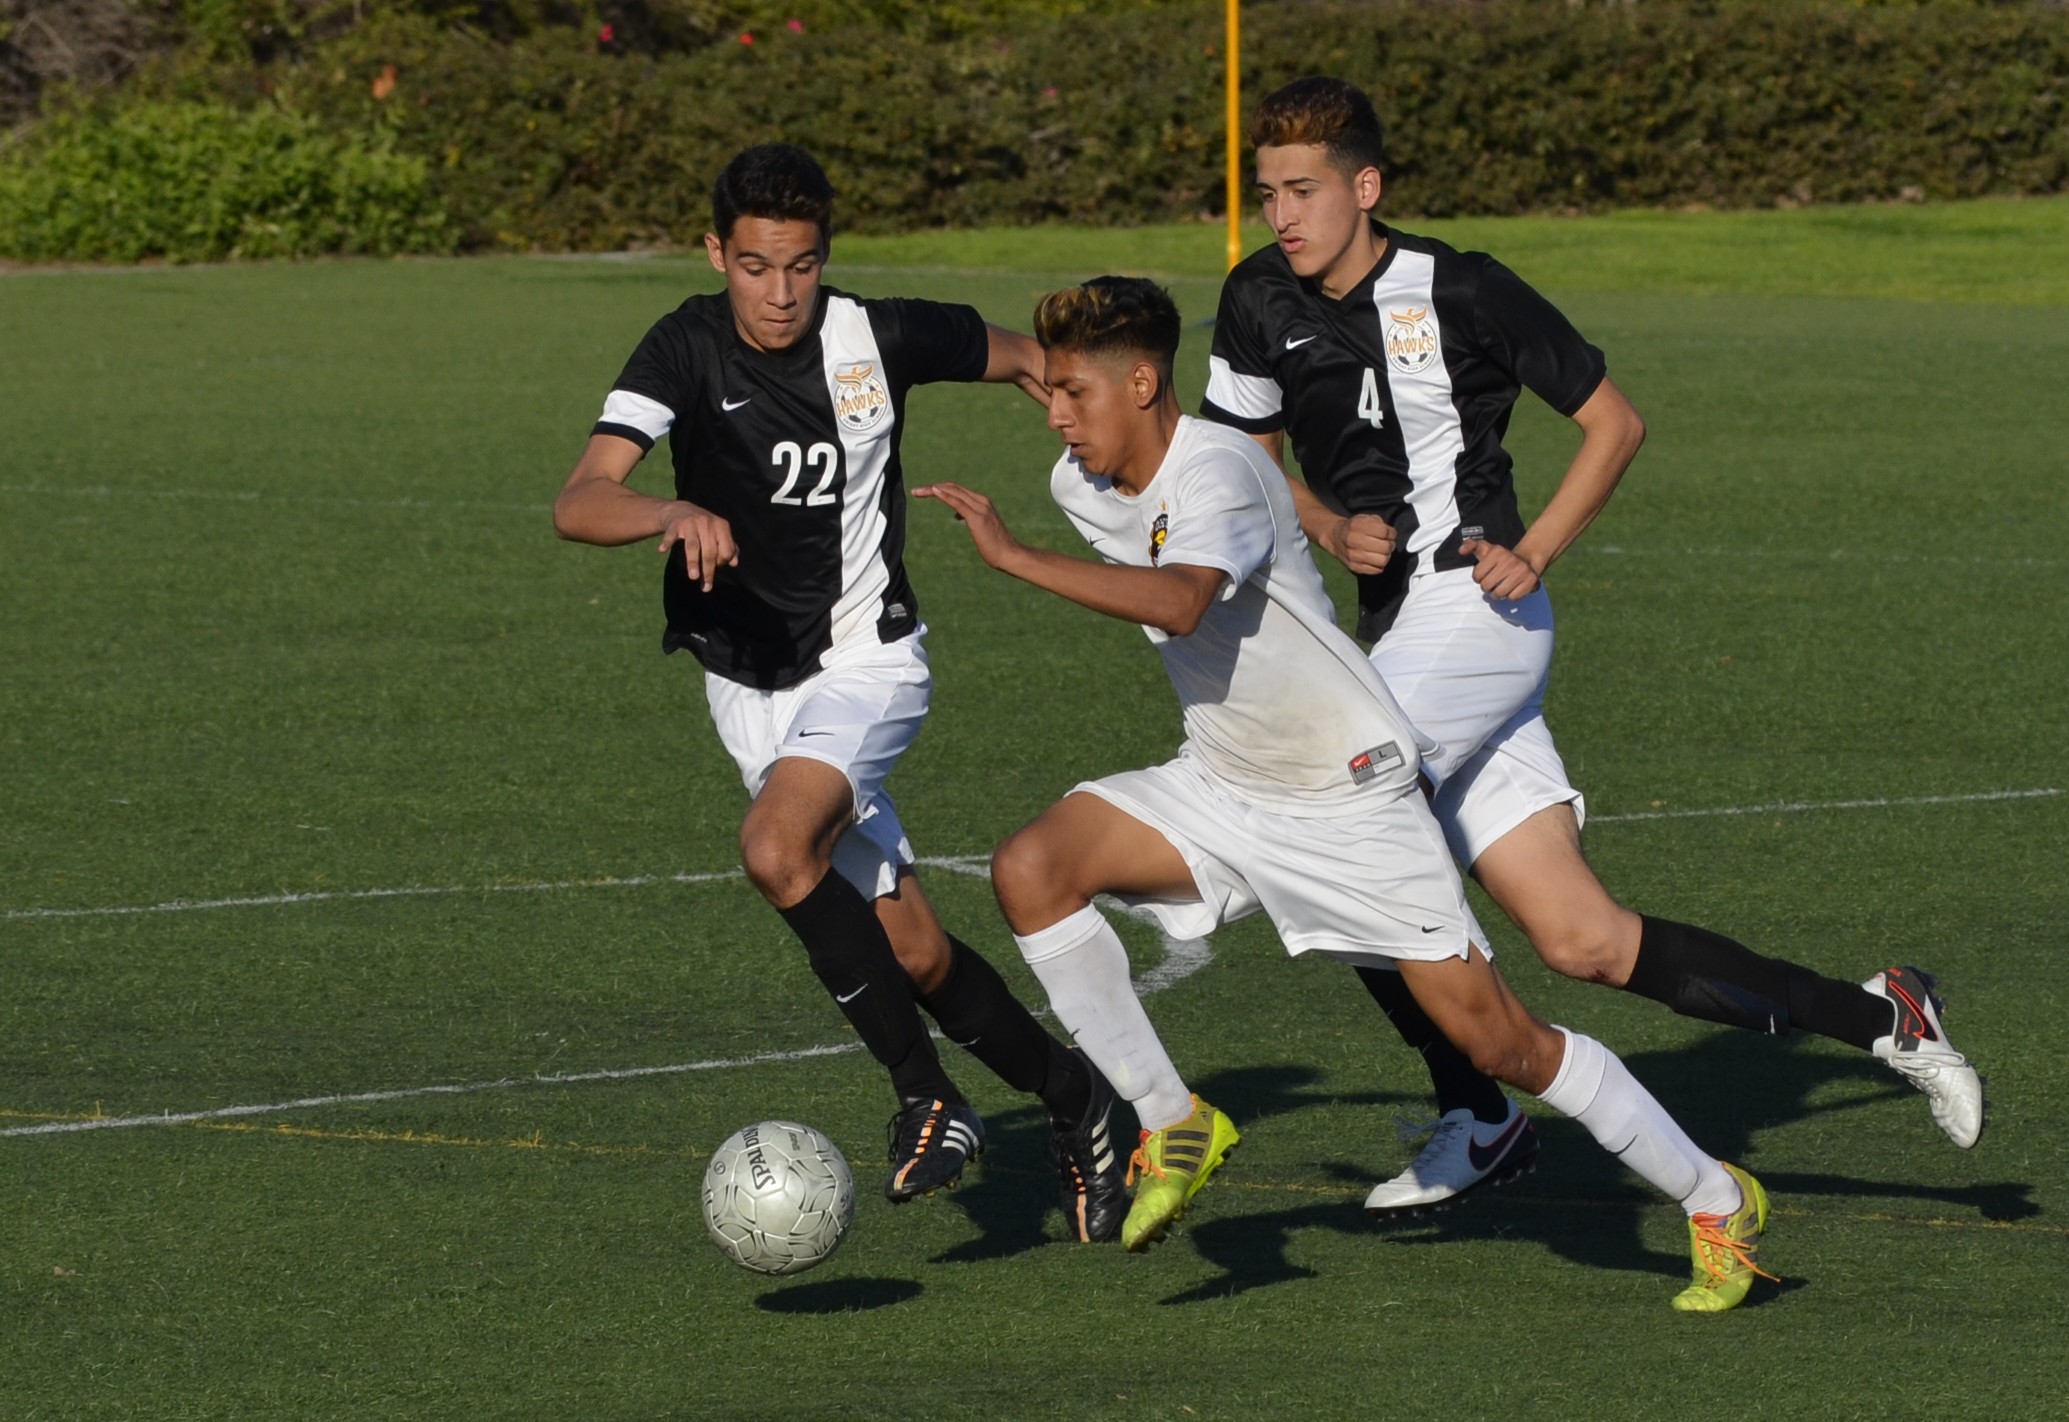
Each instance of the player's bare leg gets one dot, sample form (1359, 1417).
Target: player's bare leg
(1046, 877)
(1579, 1077)
(1536, 872)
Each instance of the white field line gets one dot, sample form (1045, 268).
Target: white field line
(1797, 807)
(957, 863)
(1182, 958)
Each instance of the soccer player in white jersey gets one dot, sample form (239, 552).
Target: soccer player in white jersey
(1393, 361)
(783, 401)
(1295, 791)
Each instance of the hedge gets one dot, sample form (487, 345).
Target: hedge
(200, 182)
(550, 139)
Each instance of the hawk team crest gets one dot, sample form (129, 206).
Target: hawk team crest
(1411, 340)
(860, 401)
(1158, 533)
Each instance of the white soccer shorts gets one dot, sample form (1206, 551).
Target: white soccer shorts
(1470, 673)
(1368, 887)
(858, 716)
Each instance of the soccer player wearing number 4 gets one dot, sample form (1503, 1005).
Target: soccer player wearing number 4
(1394, 362)
(1295, 791)
(783, 401)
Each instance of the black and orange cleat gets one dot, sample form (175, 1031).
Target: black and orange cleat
(931, 1142)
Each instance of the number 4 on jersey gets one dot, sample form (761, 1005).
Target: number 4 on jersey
(1368, 400)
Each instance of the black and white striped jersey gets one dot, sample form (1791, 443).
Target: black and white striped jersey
(798, 451)
(1396, 398)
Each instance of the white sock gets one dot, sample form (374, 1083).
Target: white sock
(1084, 969)
(1595, 1088)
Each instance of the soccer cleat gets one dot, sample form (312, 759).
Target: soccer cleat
(1173, 1164)
(1088, 1168)
(1917, 1049)
(1723, 1247)
(1463, 1153)
(931, 1142)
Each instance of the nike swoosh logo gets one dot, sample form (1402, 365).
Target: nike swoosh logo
(1484, 1157)
(730, 405)
(1293, 345)
(1438, 929)
(853, 995)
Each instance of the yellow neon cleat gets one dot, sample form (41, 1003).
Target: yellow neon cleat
(1723, 1247)
(1173, 1164)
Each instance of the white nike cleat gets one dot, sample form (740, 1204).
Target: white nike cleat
(1917, 1049)
(1462, 1153)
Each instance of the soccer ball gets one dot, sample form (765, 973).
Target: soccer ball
(778, 1197)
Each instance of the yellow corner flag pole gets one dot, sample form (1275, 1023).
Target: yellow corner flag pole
(1234, 121)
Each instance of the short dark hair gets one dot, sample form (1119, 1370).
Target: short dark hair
(1329, 113)
(777, 181)
(1112, 315)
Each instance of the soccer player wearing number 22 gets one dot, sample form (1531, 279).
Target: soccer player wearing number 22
(1295, 791)
(783, 401)
(1394, 362)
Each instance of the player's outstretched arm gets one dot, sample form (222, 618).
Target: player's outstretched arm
(1170, 599)
(1015, 358)
(597, 506)
(1611, 433)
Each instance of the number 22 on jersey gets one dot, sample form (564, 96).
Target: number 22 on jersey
(795, 459)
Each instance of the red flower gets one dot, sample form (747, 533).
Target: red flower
(606, 35)
(796, 27)
(746, 37)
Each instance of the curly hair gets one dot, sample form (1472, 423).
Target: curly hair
(777, 181)
(1112, 315)
(1331, 114)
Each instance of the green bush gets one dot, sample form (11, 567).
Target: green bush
(199, 182)
(1115, 115)
(985, 112)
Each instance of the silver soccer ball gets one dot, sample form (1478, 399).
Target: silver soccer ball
(778, 1197)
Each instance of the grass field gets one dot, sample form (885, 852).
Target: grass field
(328, 776)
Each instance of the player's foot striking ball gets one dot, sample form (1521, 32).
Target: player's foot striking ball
(1090, 1183)
(1724, 1247)
(1462, 1155)
(931, 1142)
(1917, 1049)
(1172, 1165)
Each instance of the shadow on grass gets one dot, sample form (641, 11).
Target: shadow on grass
(839, 1296)
(1581, 1204)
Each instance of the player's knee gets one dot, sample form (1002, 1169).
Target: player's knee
(1028, 875)
(776, 864)
(1593, 947)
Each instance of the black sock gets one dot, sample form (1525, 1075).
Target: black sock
(1459, 1085)
(852, 956)
(979, 1013)
(1706, 975)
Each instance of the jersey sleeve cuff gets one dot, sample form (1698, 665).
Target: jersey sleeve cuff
(638, 437)
(1584, 392)
(1257, 425)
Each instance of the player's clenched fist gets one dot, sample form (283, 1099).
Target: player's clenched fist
(1364, 543)
(707, 543)
(995, 542)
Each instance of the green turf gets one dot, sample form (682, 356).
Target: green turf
(285, 616)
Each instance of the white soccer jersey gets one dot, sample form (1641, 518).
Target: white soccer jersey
(1278, 702)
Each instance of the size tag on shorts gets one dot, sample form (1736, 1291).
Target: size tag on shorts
(1366, 764)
